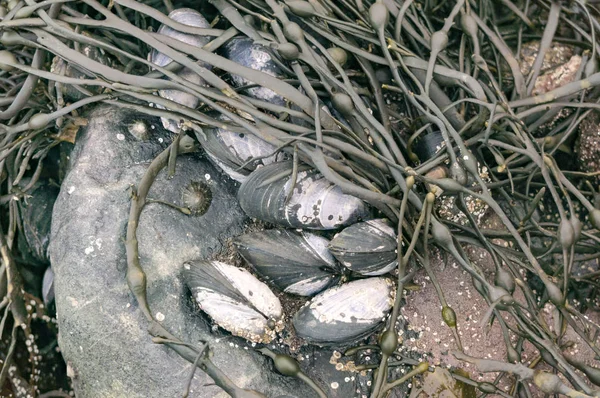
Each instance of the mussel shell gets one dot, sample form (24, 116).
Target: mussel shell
(368, 247)
(60, 66)
(345, 314)
(36, 220)
(296, 262)
(244, 51)
(235, 299)
(427, 146)
(229, 150)
(48, 287)
(315, 203)
(185, 16)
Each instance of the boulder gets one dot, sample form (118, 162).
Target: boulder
(103, 334)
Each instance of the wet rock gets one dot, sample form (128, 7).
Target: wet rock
(103, 334)
(558, 76)
(558, 54)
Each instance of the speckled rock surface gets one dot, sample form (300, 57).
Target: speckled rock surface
(588, 144)
(103, 333)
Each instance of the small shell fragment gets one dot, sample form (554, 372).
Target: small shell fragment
(345, 314)
(368, 247)
(295, 262)
(235, 300)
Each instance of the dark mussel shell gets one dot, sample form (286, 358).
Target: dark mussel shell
(244, 51)
(185, 16)
(345, 314)
(296, 262)
(315, 202)
(231, 149)
(235, 299)
(428, 145)
(368, 247)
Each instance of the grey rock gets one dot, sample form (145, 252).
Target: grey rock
(103, 334)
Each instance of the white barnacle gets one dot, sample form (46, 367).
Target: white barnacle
(139, 129)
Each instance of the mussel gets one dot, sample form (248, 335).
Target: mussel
(315, 203)
(345, 314)
(368, 247)
(428, 145)
(230, 150)
(235, 299)
(48, 287)
(62, 67)
(185, 16)
(244, 51)
(296, 262)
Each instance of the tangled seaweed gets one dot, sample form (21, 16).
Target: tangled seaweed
(395, 72)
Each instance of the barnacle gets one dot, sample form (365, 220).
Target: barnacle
(139, 129)
(197, 197)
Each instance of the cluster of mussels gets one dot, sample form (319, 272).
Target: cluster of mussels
(276, 190)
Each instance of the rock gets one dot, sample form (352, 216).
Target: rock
(558, 54)
(340, 382)
(558, 76)
(588, 145)
(103, 334)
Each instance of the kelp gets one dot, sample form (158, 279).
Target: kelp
(394, 71)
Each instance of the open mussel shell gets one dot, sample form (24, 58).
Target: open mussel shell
(315, 203)
(296, 262)
(244, 51)
(235, 299)
(231, 149)
(185, 16)
(368, 247)
(345, 314)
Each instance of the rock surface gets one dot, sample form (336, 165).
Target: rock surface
(103, 333)
(588, 145)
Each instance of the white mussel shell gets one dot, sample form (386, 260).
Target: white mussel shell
(231, 149)
(296, 262)
(235, 299)
(368, 247)
(185, 16)
(315, 202)
(347, 313)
